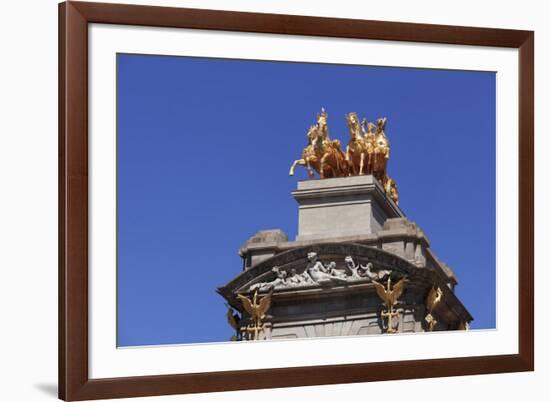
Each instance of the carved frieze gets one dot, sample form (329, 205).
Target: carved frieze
(319, 273)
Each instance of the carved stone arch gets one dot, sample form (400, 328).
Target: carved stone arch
(297, 259)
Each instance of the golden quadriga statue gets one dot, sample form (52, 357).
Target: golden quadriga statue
(367, 152)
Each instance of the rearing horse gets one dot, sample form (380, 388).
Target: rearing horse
(323, 155)
(309, 155)
(369, 139)
(333, 160)
(381, 151)
(356, 151)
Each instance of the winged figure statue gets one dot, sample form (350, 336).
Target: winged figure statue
(434, 297)
(390, 295)
(232, 318)
(257, 310)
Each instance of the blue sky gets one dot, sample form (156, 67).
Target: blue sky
(204, 148)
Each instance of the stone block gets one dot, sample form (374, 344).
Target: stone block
(338, 207)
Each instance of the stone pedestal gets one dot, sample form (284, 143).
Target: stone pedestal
(340, 207)
(352, 238)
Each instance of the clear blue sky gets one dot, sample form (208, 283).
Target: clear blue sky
(204, 148)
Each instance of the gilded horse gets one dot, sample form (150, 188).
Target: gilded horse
(322, 154)
(356, 151)
(333, 161)
(381, 151)
(309, 155)
(370, 139)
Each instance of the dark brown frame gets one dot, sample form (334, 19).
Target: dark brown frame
(74, 17)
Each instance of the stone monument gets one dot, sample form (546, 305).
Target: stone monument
(358, 266)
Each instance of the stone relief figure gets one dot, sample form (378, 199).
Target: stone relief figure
(335, 272)
(356, 270)
(320, 273)
(296, 279)
(365, 271)
(316, 273)
(279, 281)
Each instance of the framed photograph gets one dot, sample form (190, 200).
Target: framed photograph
(262, 200)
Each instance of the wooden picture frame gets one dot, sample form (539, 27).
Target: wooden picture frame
(74, 381)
